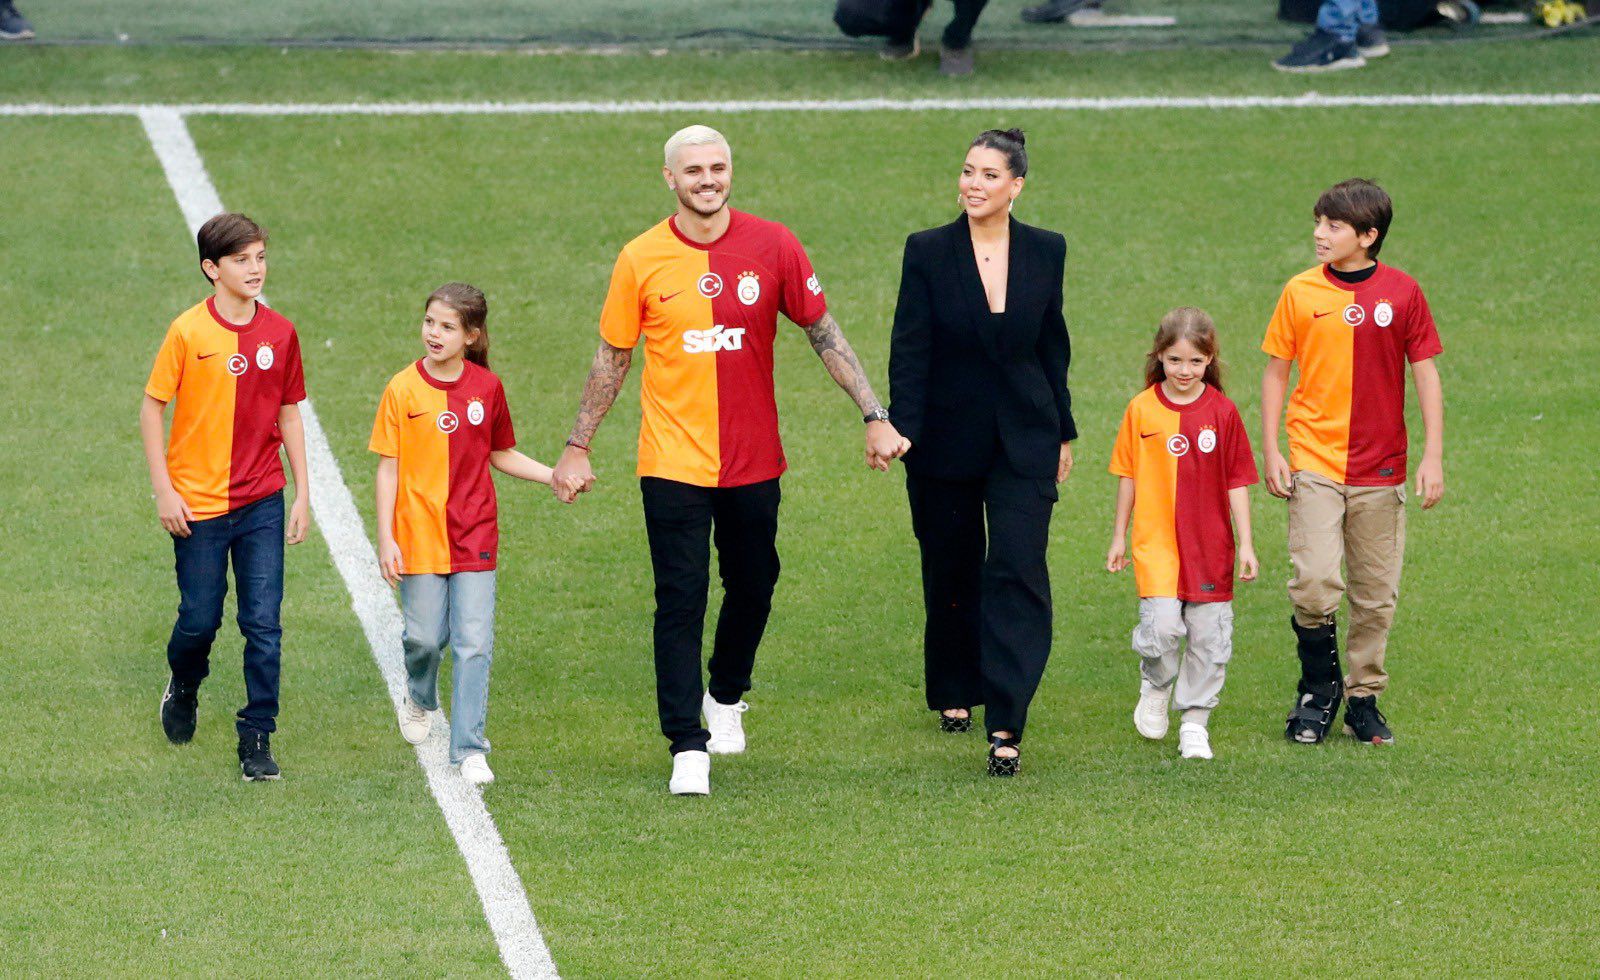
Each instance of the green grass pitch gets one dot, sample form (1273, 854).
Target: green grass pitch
(852, 839)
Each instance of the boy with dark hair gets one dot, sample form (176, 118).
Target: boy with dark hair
(1352, 324)
(233, 368)
(1346, 35)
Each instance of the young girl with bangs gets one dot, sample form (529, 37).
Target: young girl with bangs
(442, 424)
(1184, 462)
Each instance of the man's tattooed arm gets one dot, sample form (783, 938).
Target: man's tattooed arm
(840, 359)
(606, 374)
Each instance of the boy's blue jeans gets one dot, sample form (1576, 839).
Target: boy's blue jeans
(253, 536)
(455, 610)
(1340, 17)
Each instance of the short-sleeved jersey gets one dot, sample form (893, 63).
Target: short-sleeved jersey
(228, 384)
(708, 315)
(1183, 460)
(441, 433)
(1347, 416)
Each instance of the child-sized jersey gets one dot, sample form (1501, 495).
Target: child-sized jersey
(1347, 415)
(708, 315)
(228, 384)
(1183, 460)
(442, 432)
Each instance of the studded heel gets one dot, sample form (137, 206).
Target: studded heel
(955, 723)
(1002, 765)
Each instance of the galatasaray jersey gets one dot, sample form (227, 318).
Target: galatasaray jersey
(442, 432)
(228, 384)
(1347, 416)
(1183, 460)
(708, 315)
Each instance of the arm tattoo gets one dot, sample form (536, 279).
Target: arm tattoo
(606, 374)
(840, 360)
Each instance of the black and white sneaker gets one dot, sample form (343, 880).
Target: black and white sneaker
(1319, 52)
(1365, 723)
(1371, 41)
(13, 26)
(1055, 11)
(255, 757)
(179, 705)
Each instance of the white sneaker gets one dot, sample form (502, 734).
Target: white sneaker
(691, 774)
(1150, 715)
(475, 770)
(726, 723)
(1193, 741)
(415, 722)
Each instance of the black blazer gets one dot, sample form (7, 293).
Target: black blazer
(964, 389)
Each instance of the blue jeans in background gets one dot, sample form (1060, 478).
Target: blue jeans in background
(253, 536)
(1340, 17)
(455, 610)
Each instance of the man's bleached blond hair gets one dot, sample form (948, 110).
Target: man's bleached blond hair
(694, 136)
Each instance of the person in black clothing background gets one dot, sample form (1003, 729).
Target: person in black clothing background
(978, 384)
(955, 50)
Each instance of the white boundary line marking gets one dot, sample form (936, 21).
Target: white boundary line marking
(1310, 100)
(505, 903)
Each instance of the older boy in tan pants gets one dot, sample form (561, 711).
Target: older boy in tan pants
(1351, 324)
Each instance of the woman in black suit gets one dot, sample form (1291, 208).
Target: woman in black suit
(978, 384)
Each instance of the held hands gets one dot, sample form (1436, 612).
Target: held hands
(1064, 467)
(572, 475)
(884, 445)
(299, 520)
(389, 561)
(1117, 557)
(173, 513)
(1430, 482)
(1279, 479)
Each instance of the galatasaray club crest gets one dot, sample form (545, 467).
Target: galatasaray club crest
(1383, 313)
(448, 422)
(710, 285)
(264, 357)
(749, 288)
(475, 411)
(1178, 445)
(1354, 315)
(1207, 440)
(238, 364)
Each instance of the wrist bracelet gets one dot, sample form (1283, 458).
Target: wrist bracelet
(577, 445)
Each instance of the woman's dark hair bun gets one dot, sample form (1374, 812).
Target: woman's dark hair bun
(1017, 135)
(1012, 143)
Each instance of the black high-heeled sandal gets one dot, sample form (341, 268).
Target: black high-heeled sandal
(953, 723)
(1000, 765)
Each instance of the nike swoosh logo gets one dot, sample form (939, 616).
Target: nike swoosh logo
(1324, 313)
(1146, 435)
(667, 296)
(201, 357)
(415, 415)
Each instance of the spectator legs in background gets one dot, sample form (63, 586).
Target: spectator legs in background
(1332, 45)
(13, 26)
(955, 53)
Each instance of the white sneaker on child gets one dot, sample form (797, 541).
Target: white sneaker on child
(1193, 741)
(475, 770)
(691, 774)
(1150, 715)
(726, 724)
(415, 721)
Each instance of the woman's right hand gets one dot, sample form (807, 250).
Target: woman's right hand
(1117, 557)
(389, 562)
(173, 513)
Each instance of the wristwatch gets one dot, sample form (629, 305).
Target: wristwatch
(876, 415)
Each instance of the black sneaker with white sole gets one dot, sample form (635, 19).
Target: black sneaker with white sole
(1319, 52)
(13, 26)
(255, 757)
(1365, 723)
(1055, 11)
(1371, 41)
(179, 705)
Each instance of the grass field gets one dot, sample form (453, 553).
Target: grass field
(852, 839)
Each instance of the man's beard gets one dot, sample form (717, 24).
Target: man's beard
(693, 203)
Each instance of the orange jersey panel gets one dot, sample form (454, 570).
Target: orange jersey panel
(1141, 455)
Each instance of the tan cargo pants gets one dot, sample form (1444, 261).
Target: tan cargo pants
(1363, 529)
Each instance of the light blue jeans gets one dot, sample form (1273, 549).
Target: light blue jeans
(1340, 17)
(457, 610)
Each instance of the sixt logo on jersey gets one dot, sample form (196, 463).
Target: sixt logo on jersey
(710, 341)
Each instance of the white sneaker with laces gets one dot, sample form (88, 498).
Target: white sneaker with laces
(475, 770)
(726, 724)
(1193, 741)
(691, 774)
(1150, 715)
(415, 722)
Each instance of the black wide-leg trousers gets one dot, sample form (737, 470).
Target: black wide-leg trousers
(986, 589)
(681, 520)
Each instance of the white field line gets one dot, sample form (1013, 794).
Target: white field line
(505, 904)
(1310, 100)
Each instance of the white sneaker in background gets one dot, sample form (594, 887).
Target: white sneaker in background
(415, 722)
(1150, 715)
(726, 724)
(691, 774)
(1193, 741)
(475, 770)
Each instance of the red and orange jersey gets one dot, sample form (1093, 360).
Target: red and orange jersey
(1347, 416)
(228, 384)
(708, 315)
(441, 433)
(1183, 460)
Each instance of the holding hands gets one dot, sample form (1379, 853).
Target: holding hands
(573, 474)
(885, 444)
